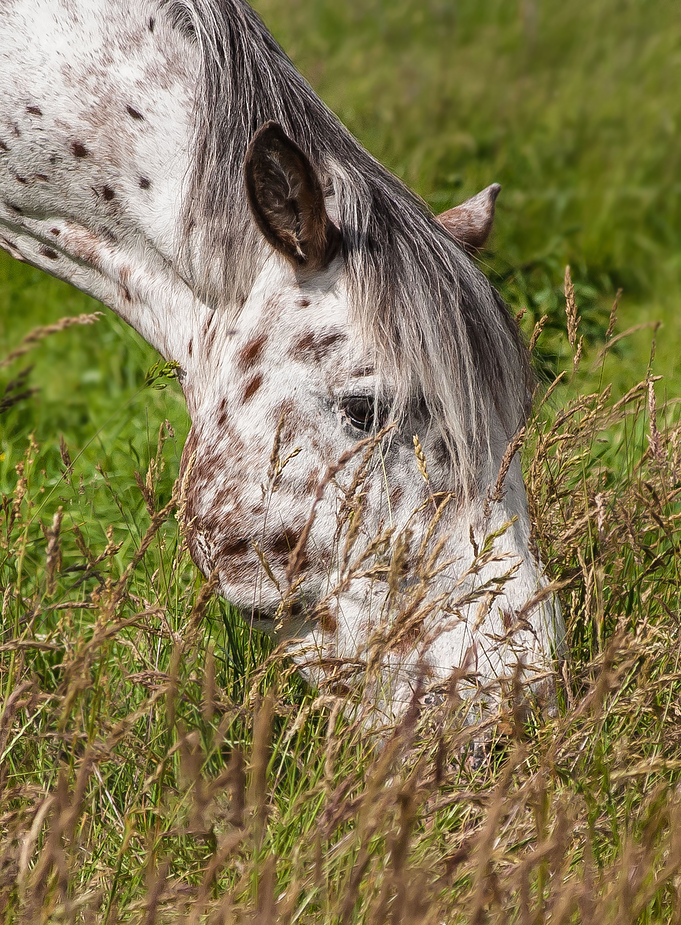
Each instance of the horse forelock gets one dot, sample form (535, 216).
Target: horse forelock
(439, 327)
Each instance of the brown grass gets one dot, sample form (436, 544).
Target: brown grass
(137, 787)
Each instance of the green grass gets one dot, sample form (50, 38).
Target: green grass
(145, 776)
(572, 108)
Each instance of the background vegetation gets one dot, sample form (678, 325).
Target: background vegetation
(145, 774)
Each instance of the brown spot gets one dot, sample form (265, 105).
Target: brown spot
(21, 179)
(152, 23)
(222, 417)
(312, 482)
(322, 447)
(363, 370)
(247, 573)
(251, 352)
(42, 177)
(314, 345)
(134, 113)
(234, 547)
(283, 544)
(49, 253)
(79, 149)
(34, 110)
(145, 182)
(407, 639)
(326, 619)
(282, 410)
(210, 339)
(252, 387)
(238, 450)
(16, 209)
(302, 303)
(3, 146)
(190, 346)
(396, 495)
(126, 294)
(55, 231)
(108, 193)
(304, 344)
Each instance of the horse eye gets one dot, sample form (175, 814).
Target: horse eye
(360, 411)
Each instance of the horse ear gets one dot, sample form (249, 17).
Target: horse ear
(287, 200)
(470, 223)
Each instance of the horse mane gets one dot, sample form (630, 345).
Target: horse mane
(437, 323)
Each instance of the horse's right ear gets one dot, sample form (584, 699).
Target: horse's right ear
(287, 199)
(471, 222)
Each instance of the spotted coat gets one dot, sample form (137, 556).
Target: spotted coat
(346, 544)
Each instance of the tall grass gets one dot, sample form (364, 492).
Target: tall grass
(160, 763)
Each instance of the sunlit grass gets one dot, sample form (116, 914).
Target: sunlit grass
(160, 762)
(145, 774)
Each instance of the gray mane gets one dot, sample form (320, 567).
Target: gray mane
(436, 321)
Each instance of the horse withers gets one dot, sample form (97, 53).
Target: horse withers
(353, 380)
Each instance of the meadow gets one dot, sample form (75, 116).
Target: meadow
(159, 761)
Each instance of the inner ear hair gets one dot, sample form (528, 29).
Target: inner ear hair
(470, 223)
(287, 200)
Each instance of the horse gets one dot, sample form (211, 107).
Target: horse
(356, 385)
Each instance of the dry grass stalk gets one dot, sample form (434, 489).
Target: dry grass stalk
(257, 795)
(16, 390)
(158, 519)
(612, 321)
(53, 551)
(613, 341)
(146, 796)
(497, 493)
(38, 334)
(421, 459)
(536, 332)
(655, 439)
(573, 320)
(65, 455)
(571, 312)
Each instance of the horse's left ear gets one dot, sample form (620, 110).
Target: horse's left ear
(287, 200)
(471, 222)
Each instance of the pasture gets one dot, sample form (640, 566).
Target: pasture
(159, 761)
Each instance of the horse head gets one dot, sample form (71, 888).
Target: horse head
(354, 382)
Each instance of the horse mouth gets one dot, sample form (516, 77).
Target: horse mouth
(289, 619)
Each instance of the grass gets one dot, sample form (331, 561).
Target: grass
(160, 762)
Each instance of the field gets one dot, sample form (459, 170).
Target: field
(160, 762)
